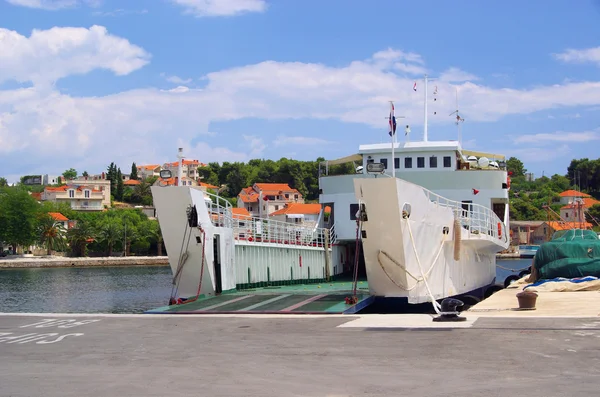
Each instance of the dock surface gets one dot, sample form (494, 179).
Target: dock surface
(504, 303)
(274, 355)
(318, 298)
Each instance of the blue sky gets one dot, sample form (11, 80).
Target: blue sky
(87, 82)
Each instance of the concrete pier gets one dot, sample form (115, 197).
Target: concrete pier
(282, 355)
(61, 261)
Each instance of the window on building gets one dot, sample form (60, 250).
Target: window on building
(397, 163)
(433, 162)
(295, 197)
(71, 193)
(87, 194)
(287, 195)
(420, 162)
(408, 162)
(447, 161)
(276, 207)
(249, 209)
(353, 211)
(384, 162)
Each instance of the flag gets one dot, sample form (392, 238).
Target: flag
(475, 191)
(392, 121)
(415, 86)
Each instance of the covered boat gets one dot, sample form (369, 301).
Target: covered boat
(570, 254)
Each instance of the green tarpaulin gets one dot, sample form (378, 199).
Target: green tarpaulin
(575, 253)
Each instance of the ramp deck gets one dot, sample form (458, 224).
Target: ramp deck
(323, 298)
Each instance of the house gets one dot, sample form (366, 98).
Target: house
(206, 186)
(131, 182)
(569, 196)
(545, 231)
(62, 220)
(46, 179)
(81, 195)
(185, 181)
(262, 199)
(147, 171)
(299, 213)
(521, 232)
(575, 211)
(189, 170)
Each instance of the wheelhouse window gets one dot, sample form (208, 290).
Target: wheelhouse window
(353, 211)
(433, 162)
(408, 162)
(447, 162)
(384, 162)
(420, 162)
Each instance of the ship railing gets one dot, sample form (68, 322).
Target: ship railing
(475, 218)
(258, 230)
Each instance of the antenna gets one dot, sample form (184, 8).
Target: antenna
(459, 119)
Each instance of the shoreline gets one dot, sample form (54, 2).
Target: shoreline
(60, 261)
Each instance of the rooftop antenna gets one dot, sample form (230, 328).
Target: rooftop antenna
(459, 119)
(180, 167)
(425, 125)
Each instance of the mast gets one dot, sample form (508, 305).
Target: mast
(393, 132)
(180, 167)
(425, 121)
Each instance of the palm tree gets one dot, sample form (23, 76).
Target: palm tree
(141, 191)
(110, 233)
(51, 234)
(80, 236)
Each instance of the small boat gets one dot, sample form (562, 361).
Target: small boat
(528, 251)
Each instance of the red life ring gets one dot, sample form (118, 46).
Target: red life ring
(499, 230)
(508, 182)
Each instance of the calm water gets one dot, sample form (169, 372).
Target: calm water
(107, 289)
(85, 290)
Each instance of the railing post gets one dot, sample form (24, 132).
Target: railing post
(327, 257)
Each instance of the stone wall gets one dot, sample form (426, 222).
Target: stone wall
(34, 262)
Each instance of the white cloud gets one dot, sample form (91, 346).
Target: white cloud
(539, 155)
(54, 4)
(299, 140)
(559, 136)
(48, 55)
(215, 8)
(455, 75)
(257, 145)
(176, 79)
(591, 55)
(57, 131)
(119, 12)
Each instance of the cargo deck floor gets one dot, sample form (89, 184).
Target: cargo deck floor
(322, 298)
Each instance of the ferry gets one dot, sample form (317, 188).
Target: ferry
(424, 220)
(528, 251)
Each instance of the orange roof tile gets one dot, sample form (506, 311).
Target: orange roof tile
(240, 213)
(131, 182)
(186, 162)
(149, 167)
(587, 203)
(573, 193)
(57, 216)
(297, 208)
(37, 196)
(556, 225)
(274, 187)
(207, 185)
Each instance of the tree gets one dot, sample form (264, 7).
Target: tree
(111, 175)
(51, 233)
(19, 213)
(120, 186)
(80, 236)
(85, 174)
(516, 166)
(69, 174)
(141, 192)
(133, 174)
(110, 233)
(3, 182)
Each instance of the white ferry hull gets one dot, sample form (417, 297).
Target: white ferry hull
(422, 255)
